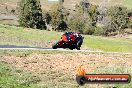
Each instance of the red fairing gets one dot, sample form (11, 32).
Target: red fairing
(64, 38)
(72, 37)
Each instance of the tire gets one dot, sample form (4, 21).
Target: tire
(54, 46)
(78, 48)
(81, 80)
(71, 48)
(79, 43)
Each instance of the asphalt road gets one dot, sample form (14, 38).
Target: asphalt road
(14, 47)
(10, 17)
(23, 47)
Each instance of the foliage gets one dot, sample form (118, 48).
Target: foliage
(85, 18)
(117, 16)
(62, 26)
(77, 24)
(99, 31)
(88, 28)
(48, 18)
(118, 19)
(93, 14)
(10, 78)
(58, 17)
(30, 14)
(129, 25)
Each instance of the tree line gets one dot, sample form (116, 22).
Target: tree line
(83, 19)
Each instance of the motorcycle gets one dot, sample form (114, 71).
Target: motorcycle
(70, 44)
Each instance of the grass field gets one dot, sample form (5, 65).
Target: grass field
(11, 35)
(11, 77)
(108, 44)
(57, 69)
(128, 3)
(46, 69)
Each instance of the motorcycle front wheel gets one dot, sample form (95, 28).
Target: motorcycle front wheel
(54, 46)
(79, 43)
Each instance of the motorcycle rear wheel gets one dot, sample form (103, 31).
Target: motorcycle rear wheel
(71, 48)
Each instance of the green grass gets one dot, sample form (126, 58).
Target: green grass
(108, 44)
(15, 78)
(28, 34)
(20, 36)
(11, 35)
(128, 3)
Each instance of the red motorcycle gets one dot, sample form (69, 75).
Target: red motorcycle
(69, 40)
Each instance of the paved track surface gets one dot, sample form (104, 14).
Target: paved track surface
(10, 17)
(12, 47)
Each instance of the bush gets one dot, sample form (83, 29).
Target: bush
(76, 24)
(99, 31)
(129, 25)
(88, 28)
(79, 25)
(62, 26)
(47, 18)
(118, 19)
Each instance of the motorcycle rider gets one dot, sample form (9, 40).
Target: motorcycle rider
(79, 40)
(73, 38)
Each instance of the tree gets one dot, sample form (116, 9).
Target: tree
(58, 17)
(118, 19)
(48, 18)
(93, 14)
(83, 26)
(30, 14)
(76, 24)
(55, 16)
(85, 18)
(62, 26)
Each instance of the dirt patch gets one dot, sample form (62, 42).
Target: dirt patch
(67, 63)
